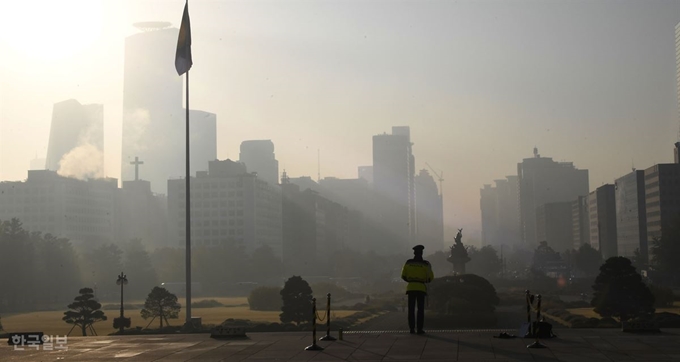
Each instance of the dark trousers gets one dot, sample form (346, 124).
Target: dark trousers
(413, 297)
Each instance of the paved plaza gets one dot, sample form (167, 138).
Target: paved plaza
(571, 345)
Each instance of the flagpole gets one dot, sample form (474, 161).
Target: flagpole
(188, 216)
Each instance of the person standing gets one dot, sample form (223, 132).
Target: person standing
(417, 272)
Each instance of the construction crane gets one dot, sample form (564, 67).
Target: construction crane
(440, 178)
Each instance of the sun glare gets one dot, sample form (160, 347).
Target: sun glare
(48, 29)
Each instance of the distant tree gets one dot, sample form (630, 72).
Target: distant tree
(138, 269)
(58, 259)
(265, 298)
(1, 329)
(162, 304)
(297, 298)
(168, 263)
(663, 296)
(587, 260)
(544, 255)
(638, 260)
(619, 291)
(265, 264)
(18, 265)
(485, 261)
(665, 252)
(103, 264)
(84, 311)
(518, 260)
(440, 266)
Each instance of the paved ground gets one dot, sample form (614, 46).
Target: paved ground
(572, 345)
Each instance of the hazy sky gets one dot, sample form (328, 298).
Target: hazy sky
(480, 83)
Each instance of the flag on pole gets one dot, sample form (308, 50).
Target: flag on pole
(183, 60)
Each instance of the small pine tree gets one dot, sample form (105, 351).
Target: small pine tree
(619, 291)
(162, 304)
(85, 311)
(297, 301)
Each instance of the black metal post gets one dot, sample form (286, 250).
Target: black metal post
(122, 280)
(537, 343)
(528, 300)
(328, 336)
(314, 346)
(187, 307)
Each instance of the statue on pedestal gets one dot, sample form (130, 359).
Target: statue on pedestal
(459, 255)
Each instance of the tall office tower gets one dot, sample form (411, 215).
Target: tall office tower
(631, 215)
(393, 176)
(153, 115)
(429, 213)
(229, 207)
(554, 225)
(580, 222)
(203, 139)
(662, 198)
(499, 205)
(258, 155)
(82, 211)
(602, 213)
(76, 146)
(542, 180)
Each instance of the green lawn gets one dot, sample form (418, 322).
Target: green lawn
(50, 322)
(589, 313)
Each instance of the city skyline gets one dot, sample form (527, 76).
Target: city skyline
(478, 83)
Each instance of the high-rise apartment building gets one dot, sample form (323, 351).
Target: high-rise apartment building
(82, 211)
(662, 198)
(229, 207)
(393, 179)
(76, 145)
(631, 215)
(499, 205)
(554, 225)
(542, 180)
(580, 221)
(143, 214)
(314, 229)
(602, 214)
(258, 155)
(153, 113)
(429, 213)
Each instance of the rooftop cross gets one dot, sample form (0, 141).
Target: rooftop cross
(137, 162)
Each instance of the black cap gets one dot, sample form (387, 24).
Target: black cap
(418, 248)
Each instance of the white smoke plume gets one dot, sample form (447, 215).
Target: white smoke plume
(82, 162)
(86, 160)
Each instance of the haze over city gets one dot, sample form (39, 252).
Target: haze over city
(479, 83)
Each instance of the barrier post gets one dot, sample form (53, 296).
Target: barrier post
(328, 336)
(527, 296)
(314, 346)
(537, 343)
(340, 334)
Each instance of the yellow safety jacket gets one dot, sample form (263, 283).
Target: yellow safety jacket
(417, 273)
